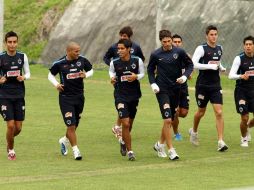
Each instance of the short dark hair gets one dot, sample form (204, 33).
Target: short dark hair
(164, 34)
(209, 28)
(126, 30)
(125, 42)
(251, 38)
(10, 34)
(177, 36)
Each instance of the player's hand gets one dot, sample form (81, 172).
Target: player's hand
(60, 87)
(155, 88)
(244, 77)
(82, 74)
(214, 66)
(181, 79)
(222, 69)
(2, 79)
(113, 80)
(132, 77)
(20, 78)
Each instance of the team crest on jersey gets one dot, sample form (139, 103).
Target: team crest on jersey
(72, 65)
(19, 61)
(175, 55)
(219, 52)
(133, 66)
(132, 51)
(78, 63)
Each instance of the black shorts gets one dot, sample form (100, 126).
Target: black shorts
(204, 95)
(184, 98)
(126, 109)
(71, 108)
(13, 109)
(168, 103)
(244, 101)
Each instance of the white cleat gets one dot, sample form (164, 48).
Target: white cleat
(172, 154)
(244, 142)
(222, 146)
(193, 137)
(64, 143)
(160, 149)
(77, 155)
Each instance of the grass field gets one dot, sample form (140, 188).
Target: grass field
(39, 164)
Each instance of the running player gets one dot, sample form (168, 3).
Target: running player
(73, 69)
(207, 59)
(12, 89)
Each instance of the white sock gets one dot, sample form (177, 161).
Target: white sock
(11, 151)
(65, 139)
(75, 148)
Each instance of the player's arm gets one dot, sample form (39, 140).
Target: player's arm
(26, 69)
(112, 73)
(233, 71)
(141, 72)
(108, 55)
(151, 73)
(51, 77)
(198, 54)
(188, 68)
(2, 78)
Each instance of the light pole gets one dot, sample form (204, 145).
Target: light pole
(1, 23)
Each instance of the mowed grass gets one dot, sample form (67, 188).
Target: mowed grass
(40, 165)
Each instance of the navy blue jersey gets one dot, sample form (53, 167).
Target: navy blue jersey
(246, 66)
(210, 78)
(11, 67)
(124, 90)
(69, 74)
(112, 52)
(169, 66)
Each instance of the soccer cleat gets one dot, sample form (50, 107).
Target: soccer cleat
(11, 155)
(248, 135)
(160, 149)
(193, 137)
(64, 143)
(123, 150)
(178, 137)
(131, 156)
(222, 146)
(172, 154)
(117, 131)
(244, 142)
(77, 155)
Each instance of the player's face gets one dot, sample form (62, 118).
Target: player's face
(166, 43)
(248, 47)
(11, 44)
(124, 36)
(212, 36)
(122, 51)
(74, 52)
(177, 42)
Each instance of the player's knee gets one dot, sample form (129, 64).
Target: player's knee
(218, 113)
(183, 113)
(167, 122)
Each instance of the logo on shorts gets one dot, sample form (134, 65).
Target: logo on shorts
(166, 106)
(242, 102)
(68, 122)
(23, 107)
(68, 114)
(120, 114)
(240, 109)
(201, 97)
(4, 116)
(120, 105)
(199, 103)
(166, 113)
(3, 108)
(175, 55)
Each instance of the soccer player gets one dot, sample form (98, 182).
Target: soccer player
(125, 73)
(112, 53)
(207, 59)
(12, 89)
(169, 61)
(183, 108)
(242, 71)
(73, 69)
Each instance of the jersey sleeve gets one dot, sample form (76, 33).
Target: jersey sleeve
(54, 69)
(141, 67)
(87, 65)
(151, 68)
(26, 68)
(187, 64)
(235, 66)
(108, 56)
(140, 53)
